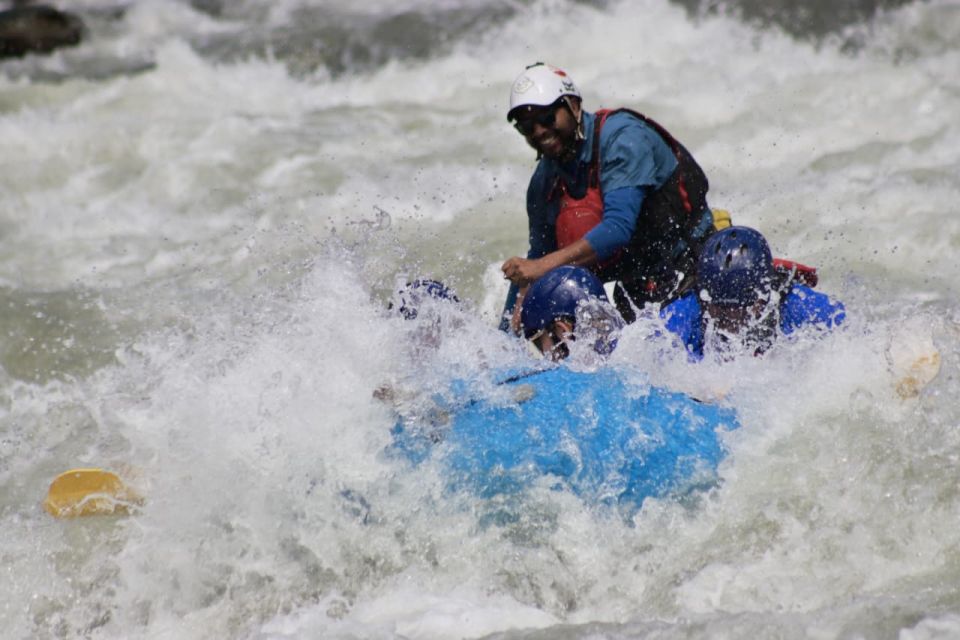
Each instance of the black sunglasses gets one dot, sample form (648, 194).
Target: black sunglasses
(546, 118)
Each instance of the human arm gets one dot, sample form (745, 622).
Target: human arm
(517, 308)
(510, 317)
(523, 271)
(620, 209)
(543, 254)
(804, 306)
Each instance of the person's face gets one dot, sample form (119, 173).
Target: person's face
(751, 326)
(551, 130)
(733, 318)
(552, 342)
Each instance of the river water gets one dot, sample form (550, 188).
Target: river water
(205, 207)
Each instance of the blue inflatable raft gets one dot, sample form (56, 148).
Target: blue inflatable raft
(597, 434)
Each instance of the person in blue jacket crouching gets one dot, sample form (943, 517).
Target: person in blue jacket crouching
(741, 302)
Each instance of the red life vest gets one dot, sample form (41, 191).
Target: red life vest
(577, 216)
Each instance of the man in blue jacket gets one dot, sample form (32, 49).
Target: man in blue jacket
(741, 302)
(612, 191)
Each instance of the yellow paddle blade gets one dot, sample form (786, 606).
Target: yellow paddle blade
(85, 492)
(721, 219)
(920, 372)
(914, 358)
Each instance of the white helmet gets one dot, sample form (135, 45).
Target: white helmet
(540, 85)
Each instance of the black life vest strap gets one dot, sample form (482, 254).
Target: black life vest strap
(594, 175)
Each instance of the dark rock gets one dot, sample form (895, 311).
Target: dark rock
(210, 7)
(37, 29)
(810, 19)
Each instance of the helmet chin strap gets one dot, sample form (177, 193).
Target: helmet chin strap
(580, 135)
(570, 150)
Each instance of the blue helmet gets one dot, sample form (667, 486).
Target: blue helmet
(411, 297)
(735, 267)
(557, 295)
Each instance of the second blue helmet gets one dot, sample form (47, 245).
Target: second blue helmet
(735, 267)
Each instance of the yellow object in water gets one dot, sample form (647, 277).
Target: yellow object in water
(920, 373)
(85, 492)
(721, 219)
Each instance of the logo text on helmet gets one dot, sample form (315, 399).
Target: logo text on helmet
(522, 85)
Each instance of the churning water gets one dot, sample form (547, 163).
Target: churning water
(205, 207)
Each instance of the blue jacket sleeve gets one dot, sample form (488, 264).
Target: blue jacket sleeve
(620, 212)
(804, 306)
(683, 318)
